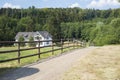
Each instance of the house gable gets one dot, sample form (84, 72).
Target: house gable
(45, 35)
(26, 35)
(38, 35)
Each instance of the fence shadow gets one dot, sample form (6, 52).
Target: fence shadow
(19, 73)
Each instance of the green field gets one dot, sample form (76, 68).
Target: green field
(14, 64)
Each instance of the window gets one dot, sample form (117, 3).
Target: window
(41, 43)
(47, 37)
(48, 42)
(26, 35)
(38, 38)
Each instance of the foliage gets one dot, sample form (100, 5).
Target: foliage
(21, 39)
(25, 24)
(98, 26)
(31, 39)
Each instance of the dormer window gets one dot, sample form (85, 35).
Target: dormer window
(38, 38)
(47, 37)
(26, 35)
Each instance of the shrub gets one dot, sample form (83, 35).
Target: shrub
(21, 39)
(31, 39)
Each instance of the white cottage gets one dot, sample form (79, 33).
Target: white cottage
(37, 36)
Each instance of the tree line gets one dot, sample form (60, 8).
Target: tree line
(96, 26)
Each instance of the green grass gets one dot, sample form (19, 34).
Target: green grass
(25, 53)
(14, 64)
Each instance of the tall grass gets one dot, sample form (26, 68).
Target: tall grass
(103, 63)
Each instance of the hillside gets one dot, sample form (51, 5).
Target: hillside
(98, 27)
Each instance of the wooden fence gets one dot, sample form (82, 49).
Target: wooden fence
(69, 43)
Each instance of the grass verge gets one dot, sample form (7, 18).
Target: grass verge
(4, 67)
(103, 63)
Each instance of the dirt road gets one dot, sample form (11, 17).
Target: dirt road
(48, 70)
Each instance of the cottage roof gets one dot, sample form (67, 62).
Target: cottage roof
(26, 35)
(45, 34)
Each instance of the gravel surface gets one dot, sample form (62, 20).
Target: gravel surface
(51, 69)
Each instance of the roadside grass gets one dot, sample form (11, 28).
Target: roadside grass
(4, 67)
(103, 63)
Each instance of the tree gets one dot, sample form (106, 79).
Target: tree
(31, 39)
(25, 24)
(62, 23)
(53, 27)
(7, 28)
(21, 39)
(115, 23)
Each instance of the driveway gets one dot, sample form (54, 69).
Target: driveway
(48, 70)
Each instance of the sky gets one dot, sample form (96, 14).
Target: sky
(96, 4)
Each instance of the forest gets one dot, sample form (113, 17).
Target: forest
(100, 27)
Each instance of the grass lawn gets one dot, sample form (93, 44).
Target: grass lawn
(14, 64)
(103, 63)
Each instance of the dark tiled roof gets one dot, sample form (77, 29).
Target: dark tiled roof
(45, 34)
(26, 35)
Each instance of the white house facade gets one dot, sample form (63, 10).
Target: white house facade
(37, 36)
(43, 36)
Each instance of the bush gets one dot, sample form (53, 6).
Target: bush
(21, 39)
(31, 39)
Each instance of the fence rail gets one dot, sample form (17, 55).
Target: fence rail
(63, 44)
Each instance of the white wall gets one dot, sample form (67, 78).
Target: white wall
(42, 39)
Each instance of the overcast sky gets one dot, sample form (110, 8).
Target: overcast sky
(96, 4)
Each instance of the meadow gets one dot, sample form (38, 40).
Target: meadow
(103, 63)
(25, 61)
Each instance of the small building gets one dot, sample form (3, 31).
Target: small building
(37, 36)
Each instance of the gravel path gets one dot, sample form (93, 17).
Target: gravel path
(48, 70)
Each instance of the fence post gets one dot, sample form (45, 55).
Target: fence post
(73, 43)
(80, 43)
(19, 52)
(52, 48)
(39, 50)
(61, 46)
(84, 43)
(77, 44)
(68, 44)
